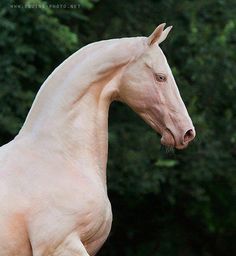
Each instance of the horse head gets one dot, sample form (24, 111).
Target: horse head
(149, 88)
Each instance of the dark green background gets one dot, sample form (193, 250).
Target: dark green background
(177, 203)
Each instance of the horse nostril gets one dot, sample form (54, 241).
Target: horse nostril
(189, 135)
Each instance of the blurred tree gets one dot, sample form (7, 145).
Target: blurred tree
(33, 41)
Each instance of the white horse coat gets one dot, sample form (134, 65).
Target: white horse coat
(53, 193)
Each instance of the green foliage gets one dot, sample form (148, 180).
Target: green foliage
(25, 61)
(165, 203)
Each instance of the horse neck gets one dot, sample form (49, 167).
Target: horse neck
(70, 113)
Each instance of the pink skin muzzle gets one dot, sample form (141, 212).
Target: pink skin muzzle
(178, 130)
(170, 140)
(173, 124)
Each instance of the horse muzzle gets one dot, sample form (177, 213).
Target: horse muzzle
(179, 141)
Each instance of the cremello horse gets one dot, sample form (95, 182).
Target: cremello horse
(53, 193)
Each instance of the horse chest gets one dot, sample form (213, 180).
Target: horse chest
(96, 227)
(94, 217)
(81, 206)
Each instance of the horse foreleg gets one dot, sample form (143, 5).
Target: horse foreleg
(71, 246)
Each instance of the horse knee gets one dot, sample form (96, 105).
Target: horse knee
(71, 246)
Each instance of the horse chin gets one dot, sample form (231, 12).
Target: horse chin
(181, 146)
(167, 139)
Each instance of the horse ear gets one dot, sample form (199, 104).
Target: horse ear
(158, 35)
(164, 34)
